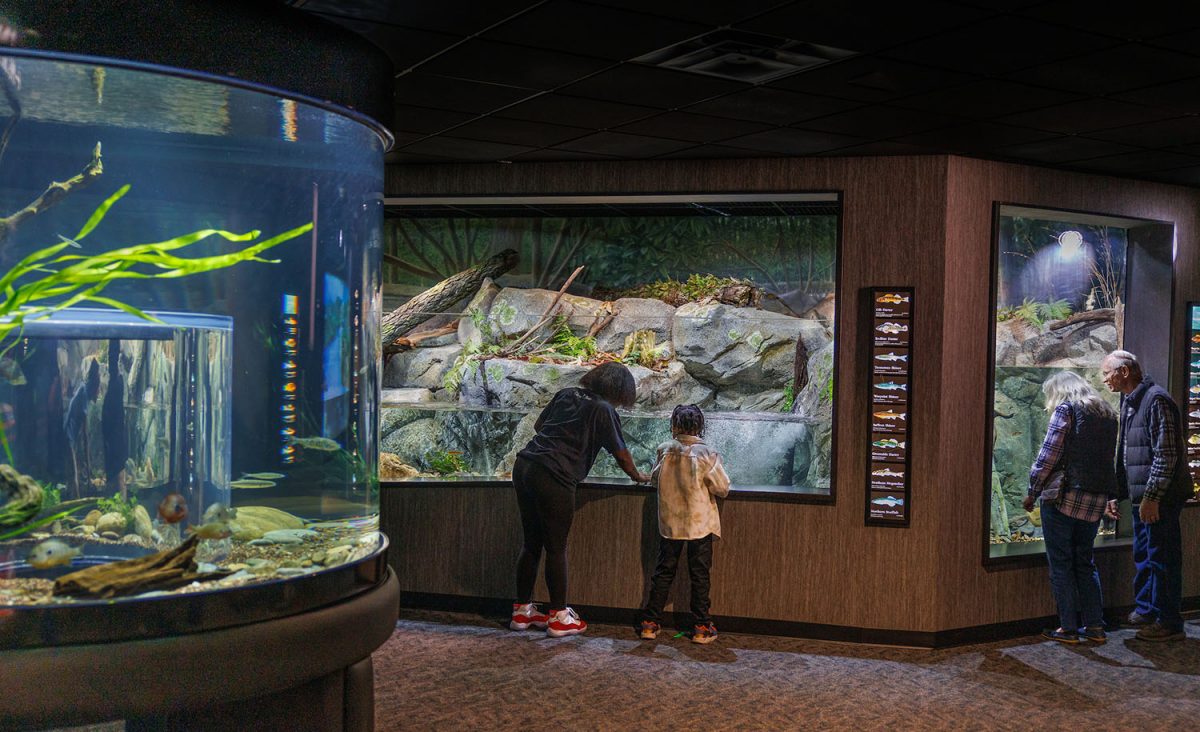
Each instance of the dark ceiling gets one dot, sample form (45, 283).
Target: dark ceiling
(1097, 86)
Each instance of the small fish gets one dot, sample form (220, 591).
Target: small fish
(890, 414)
(891, 356)
(888, 442)
(322, 444)
(891, 298)
(264, 476)
(173, 508)
(888, 473)
(219, 513)
(11, 372)
(52, 553)
(891, 501)
(250, 484)
(212, 530)
(891, 386)
(892, 328)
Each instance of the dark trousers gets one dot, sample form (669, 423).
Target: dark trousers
(1158, 563)
(699, 561)
(1074, 580)
(547, 507)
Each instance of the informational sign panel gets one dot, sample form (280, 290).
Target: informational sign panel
(888, 485)
(1191, 417)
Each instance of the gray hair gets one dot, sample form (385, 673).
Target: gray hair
(1071, 388)
(1125, 358)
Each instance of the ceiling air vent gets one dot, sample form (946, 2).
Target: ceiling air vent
(752, 58)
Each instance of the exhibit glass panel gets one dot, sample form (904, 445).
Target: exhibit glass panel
(1060, 304)
(725, 303)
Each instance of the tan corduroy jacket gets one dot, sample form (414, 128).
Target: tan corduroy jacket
(689, 477)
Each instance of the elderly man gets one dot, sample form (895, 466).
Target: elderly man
(1151, 471)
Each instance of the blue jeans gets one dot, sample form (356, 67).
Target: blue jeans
(1158, 561)
(1074, 580)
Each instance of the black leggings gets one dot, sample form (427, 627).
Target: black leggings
(547, 507)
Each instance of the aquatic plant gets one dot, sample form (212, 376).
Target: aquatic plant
(447, 462)
(569, 345)
(49, 280)
(789, 396)
(120, 505)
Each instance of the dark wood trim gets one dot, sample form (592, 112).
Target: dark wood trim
(734, 494)
(500, 608)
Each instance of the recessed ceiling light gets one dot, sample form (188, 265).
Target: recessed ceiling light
(752, 58)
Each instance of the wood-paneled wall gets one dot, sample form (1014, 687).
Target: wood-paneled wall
(918, 221)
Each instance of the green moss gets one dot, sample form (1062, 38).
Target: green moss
(446, 462)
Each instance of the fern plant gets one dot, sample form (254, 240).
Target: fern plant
(569, 345)
(1054, 310)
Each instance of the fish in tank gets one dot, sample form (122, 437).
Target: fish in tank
(728, 305)
(1060, 305)
(188, 332)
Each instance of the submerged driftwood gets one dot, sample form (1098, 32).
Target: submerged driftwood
(163, 570)
(444, 294)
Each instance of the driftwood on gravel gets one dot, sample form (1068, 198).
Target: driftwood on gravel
(444, 294)
(163, 570)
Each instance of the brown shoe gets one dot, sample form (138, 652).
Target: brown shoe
(1159, 633)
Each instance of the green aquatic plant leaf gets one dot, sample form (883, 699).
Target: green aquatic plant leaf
(47, 520)
(101, 211)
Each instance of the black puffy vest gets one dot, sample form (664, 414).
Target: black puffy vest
(1136, 445)
(1090, 449)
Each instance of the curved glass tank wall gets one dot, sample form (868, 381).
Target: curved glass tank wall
(188, 342)
(726, 301)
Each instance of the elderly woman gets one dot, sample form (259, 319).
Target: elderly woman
(1073, 479)
(571, 430)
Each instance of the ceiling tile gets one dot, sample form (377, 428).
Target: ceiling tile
(518, 132)
(883, 147)
(715, 152)
(593, 30)
(576, 111)
(974, 137)
(427, 90)
(987, 98)
(871, 79)
(553, 154)
(651, 87)
(794, 142)
(999, 45)
(427, 121)
(1087, 115)
(712, 12)
(462, 17)
(1063, 149)
(399, 157)
(503, 63)
(1148, 19)
(1181, 96)
(1112, 70)
(1187, 41)
(1165, 133)
(626, 146)
(1142, 161)
(459, 149)
(878, 122)
(862, 25)
(772, 106)
(406, 47)
(692, 127)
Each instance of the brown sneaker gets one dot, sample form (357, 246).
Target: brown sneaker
(704, 633)
(1159, 633)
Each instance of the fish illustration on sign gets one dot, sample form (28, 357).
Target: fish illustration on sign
(892, 328)
(890, 501)
(51, 553)
(887, 473)
(891, 386)
(888, 442)
(1194, 440)
(892, 356)
(1195, 389)
(891, 414)
(1196, 338)
(1195, 414)
(892, 298)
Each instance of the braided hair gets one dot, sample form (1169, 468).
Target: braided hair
(687, 419)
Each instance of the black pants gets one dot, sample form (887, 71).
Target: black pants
(547, 508)
(699, 561)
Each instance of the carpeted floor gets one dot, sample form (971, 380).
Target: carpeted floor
(444, 671)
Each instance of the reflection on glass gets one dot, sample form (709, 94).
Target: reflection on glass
(731, 312)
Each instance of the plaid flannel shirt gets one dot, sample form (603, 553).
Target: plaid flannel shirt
(1047, 475)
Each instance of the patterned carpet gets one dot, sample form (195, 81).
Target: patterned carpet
(445, 671)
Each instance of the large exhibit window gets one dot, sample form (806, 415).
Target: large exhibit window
(722, 301)
(1065, 286)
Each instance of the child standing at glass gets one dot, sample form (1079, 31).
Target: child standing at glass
(689, 477)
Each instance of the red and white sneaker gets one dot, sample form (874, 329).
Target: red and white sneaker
(565, 622)
(527, 616)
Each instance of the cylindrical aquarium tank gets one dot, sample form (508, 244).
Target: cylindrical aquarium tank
(188, 349)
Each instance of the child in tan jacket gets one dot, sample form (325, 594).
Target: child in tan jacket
(689, 478)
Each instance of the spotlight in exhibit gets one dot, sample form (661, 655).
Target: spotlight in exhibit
(1071, 242)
